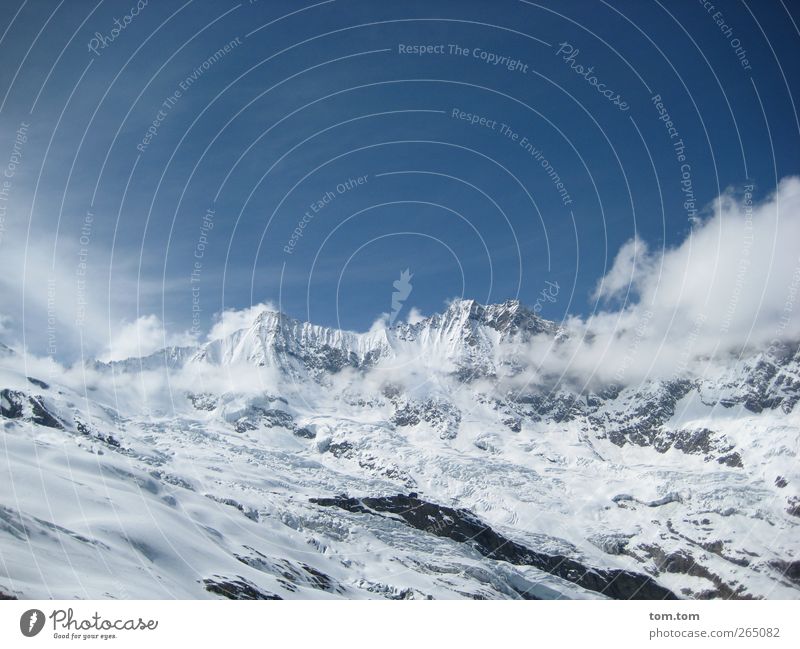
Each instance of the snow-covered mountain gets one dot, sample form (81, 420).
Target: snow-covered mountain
(464, 336)
(438, 459)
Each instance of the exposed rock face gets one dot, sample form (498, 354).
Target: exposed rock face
(464, 527)
(17, 405)
(764, 381)
(269, 417)
(439, 415)
(236, 588)
(204, 401)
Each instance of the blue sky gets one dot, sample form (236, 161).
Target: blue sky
(310, 96)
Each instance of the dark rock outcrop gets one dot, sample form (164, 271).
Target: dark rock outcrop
(18, 405)
(238, 588)
(464, 527)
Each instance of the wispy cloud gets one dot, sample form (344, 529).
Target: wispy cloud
(230, 320)
(142, 337)
(731, 284)
(628, 267)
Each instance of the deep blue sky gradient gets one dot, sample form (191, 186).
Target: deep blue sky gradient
(324, 95)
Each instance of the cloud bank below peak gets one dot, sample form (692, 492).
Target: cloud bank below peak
(737, 271)
(730, 287)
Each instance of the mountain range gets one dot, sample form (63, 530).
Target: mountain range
(441, 459)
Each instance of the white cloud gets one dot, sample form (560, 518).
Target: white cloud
(731, 285)
(61, 296)
(734, 271)
(632, 262)
(141, 337)
(231, 320)
(380, 323)
(414, 316)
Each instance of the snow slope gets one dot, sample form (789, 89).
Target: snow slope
(432, 460)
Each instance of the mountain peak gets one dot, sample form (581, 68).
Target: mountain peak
(509, 317)
(465, 332)
(268, 318)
